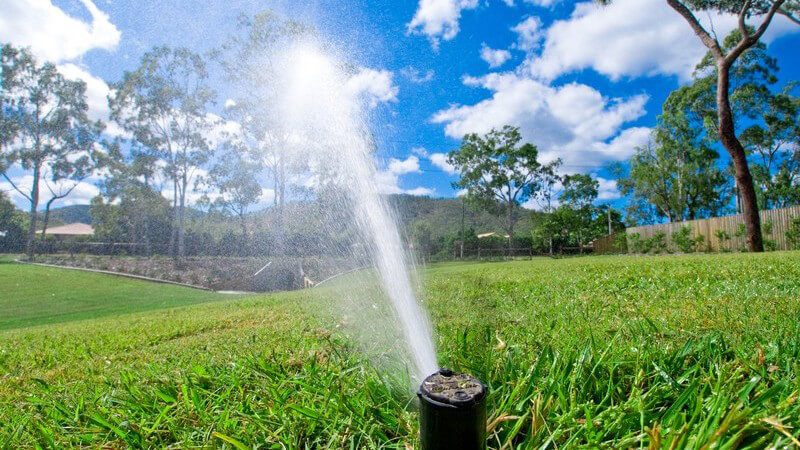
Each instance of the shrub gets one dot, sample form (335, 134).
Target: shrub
(766, 230)
(682, 238)
(639, 245)
(723, 237)
(658, 243)
(793, 234)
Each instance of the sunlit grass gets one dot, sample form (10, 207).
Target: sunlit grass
(674, 352)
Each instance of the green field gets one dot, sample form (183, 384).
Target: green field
(699, 351)
(43, 295)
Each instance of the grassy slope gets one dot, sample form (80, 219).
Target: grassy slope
(683, 351)
(39, 295)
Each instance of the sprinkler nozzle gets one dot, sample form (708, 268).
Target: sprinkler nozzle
(452, 412)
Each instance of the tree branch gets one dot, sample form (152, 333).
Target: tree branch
(28, 197)
(750, 40)
(701, 32)
(789, 16)
(742, 24)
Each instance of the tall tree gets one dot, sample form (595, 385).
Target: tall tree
(249, 60)
(496, 169)
(724, 59)
(164, 105)
(234, 178)
(773, 147)
(579, 193)
(52, 131)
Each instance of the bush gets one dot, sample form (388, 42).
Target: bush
(766, 230)
(658, 243)
(793, 234)
(683, 239)
(723, 237)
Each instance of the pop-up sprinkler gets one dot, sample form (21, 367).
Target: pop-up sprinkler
(452, 412)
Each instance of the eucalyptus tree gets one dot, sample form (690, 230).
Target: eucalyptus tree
(164, 105)
(234, 180)
(498, 170)
(251, 63)
(46, 128)
(773, 144)
(723, 60)
(579, 194)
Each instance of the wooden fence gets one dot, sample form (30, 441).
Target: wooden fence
(781, 220)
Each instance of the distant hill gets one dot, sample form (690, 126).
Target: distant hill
(443, 216)
(68, 214)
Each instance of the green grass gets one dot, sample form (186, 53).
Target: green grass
(33, 295)
(698, 351)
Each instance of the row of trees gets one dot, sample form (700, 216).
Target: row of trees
(500, 173)
(731, 66)
(175, 148)
(678, 175)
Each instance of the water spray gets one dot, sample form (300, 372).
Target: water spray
(452, 412)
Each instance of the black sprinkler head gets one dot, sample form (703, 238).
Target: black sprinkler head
(452, 412)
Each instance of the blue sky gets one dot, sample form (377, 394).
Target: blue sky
(583, 82)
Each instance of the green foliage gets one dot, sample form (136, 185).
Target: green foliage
(45, 128)
(658, 242)
(793, 234)
(683, 239)
(723, 238)
(12, 236)
(496, 169)
(626, 343)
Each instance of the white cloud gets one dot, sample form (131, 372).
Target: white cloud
(630, 38)
(230, 103)
(439, 18)
(388, 181)
(416, 76)
(420, 191)
(51, 33)
(440, 160)
(404, 166)
(494, 57)
(607, 189)
(375, 85)
(529, 33)
(420, 151)
(573, 121)
(543, 3)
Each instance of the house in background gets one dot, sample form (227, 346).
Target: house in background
(69, 231)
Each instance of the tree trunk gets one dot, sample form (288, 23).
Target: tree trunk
(727, 135)
(181, 219)
(510, 227)
(31, 242)
(173, 220)
(46, 219)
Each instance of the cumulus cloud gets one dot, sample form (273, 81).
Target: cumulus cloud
(630, 38)
(417, 76)
(573, 121)
(440, 160)
(438, 19)
(607, 189)
(494, 57)
(529, 33)
(51, 33)
(375, 85)
(404, 166)
(388, 181)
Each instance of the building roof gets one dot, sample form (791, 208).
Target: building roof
(71, 229)
(492, 234)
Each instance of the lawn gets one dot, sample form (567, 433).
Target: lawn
(698, 351)
(34, 295)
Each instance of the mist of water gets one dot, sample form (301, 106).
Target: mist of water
(323, 118)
